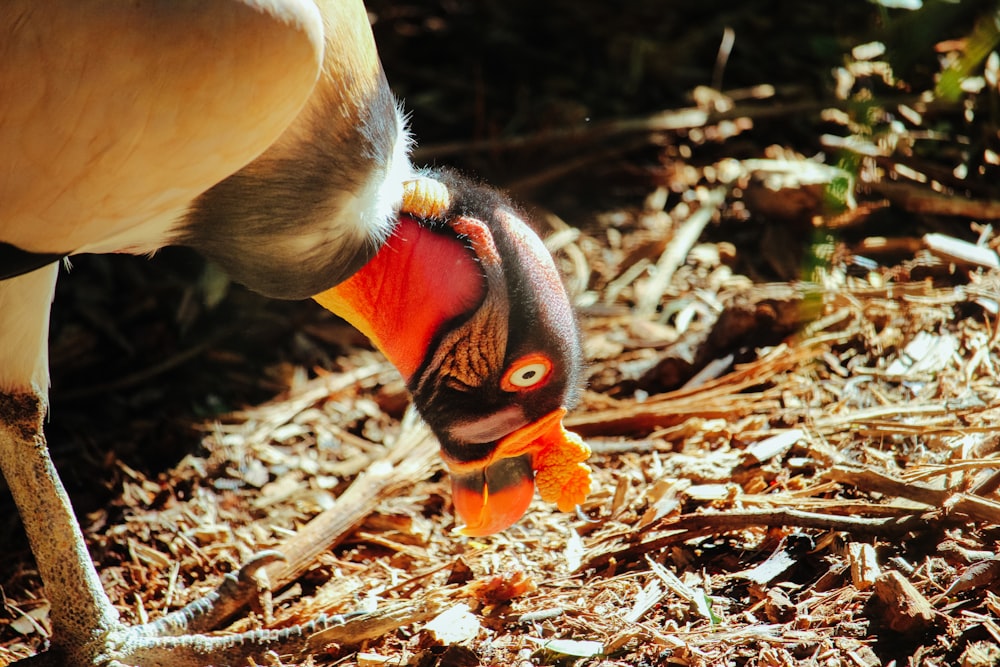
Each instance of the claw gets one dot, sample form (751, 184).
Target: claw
(238, 589)
(250, 571)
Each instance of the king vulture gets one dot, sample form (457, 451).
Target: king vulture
(263, 134)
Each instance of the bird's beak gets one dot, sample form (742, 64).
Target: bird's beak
(491, 495)
(492, 498)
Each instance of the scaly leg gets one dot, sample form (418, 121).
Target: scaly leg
(86, 627)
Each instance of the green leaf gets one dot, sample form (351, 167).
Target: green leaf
(984, 39)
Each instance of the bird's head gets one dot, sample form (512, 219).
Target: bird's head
(467, 303)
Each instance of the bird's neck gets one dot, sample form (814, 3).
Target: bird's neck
(421, 279)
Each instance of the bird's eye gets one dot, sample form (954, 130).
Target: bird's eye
(526, 372)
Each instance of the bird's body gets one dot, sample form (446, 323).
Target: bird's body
(178, 98)
(263, 134)
(93, 158)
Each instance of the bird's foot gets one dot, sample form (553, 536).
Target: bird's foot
(177, 639)
(210, 612)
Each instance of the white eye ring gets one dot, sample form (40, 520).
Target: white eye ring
(528, 375)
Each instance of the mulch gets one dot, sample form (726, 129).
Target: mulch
(791, 396)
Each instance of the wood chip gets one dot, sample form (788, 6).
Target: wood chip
(777, 565)
(897, 604)
(453, 625)
(776, 445)
(961, 252)
(926, 354)
(864, 565)
(778, 607)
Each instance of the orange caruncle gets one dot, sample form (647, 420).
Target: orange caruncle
(561, 475)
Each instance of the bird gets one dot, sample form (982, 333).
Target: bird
(264, 134)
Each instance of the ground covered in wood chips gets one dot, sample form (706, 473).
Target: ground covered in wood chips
(777, 226)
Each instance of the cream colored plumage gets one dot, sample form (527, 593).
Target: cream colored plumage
(94, 133)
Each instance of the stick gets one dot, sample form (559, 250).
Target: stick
(409, 459)
(692, 526)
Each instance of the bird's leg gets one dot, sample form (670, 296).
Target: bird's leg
(86, 627)
(81, 611)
